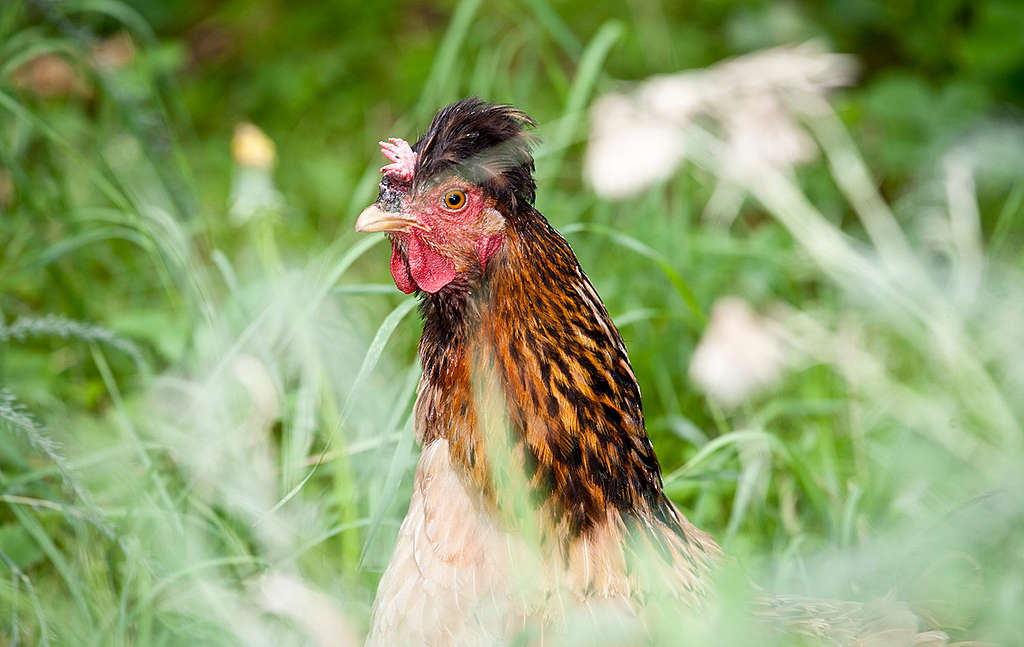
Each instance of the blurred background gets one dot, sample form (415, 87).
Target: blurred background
(813, 252)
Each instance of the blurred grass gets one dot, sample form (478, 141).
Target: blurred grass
(194, 404)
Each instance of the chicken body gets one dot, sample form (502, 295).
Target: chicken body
(534, 366)
(537, 490)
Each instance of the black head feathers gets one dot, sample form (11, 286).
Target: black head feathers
(485, 143)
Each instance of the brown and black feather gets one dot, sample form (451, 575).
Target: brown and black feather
(485, 143)
(572, 399)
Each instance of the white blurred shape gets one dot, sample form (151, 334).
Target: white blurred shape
(629, 150)
(290, 597)
(638, 139)
(738, 355)
(263, 393)
(760, 135)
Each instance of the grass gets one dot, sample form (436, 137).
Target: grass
(199, 414)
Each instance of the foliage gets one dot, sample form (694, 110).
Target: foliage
(200, 410)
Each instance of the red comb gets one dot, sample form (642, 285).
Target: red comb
(398, 151)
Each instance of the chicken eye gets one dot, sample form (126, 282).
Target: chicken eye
(454, 200)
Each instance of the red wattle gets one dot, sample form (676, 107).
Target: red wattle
(400, 272)
(429, 270)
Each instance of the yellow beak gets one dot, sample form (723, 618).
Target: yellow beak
(373, 219)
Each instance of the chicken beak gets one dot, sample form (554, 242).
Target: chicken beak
(374, 219)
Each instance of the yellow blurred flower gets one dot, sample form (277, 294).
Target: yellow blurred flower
(251, 147)
(252, 187)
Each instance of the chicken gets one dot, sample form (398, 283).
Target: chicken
(524, 377)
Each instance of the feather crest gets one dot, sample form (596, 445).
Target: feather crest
(483, 142)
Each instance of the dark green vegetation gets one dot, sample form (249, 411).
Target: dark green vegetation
(203, 406)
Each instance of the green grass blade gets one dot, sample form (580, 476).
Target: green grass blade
(556, 27)
(56, 557)
(396, 467)
(439, 85)
(625, 240)
(376, 349)
(587, 74)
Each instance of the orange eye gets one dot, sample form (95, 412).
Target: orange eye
(454, 200)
